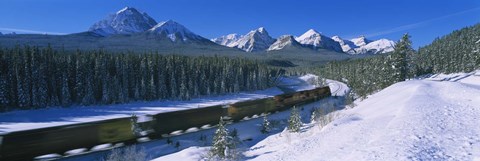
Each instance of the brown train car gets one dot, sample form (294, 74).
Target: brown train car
(25, 145)
(165, 123)
(239, 110)
(291, 99)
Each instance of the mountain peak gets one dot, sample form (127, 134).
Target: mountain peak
(378, 46)
(227, 40)
(362, 45)
(255, 40)
(311, 32)
(127, 9)
(283, 42)
(125, 21)
(361, 41)
(317, 40)
(261, 29)
(174, 30)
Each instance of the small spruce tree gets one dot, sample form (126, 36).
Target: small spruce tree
(220, 145)
(350, 98)
(295, 120)
(265, 125)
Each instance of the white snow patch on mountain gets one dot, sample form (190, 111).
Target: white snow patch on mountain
(347, 45)
(360, 41)
(282, 42)
(229, 40)
(378, 46)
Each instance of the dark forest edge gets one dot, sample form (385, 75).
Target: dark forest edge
(455, 52)
(33, 77)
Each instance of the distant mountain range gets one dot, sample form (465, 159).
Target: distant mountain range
(130, 29)
(259, 40)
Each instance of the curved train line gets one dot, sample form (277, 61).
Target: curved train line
(25, 145)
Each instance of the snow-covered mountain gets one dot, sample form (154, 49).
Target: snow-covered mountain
(283, 42)
(227, 40)
(360, 41)
(126, 21)
(362, 45)
(255, 40)
(378, 46)
(317, 40)
(347, 45)
(174, 31)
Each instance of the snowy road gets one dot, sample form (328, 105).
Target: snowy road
(412, 120)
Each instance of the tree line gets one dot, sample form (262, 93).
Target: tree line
(32, 77)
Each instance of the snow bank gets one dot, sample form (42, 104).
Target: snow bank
(411, 120)
(188, 154)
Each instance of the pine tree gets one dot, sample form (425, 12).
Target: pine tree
(65, 94)
(220, 140)
(403, 59)
(233, 143)
(350, 98)
(265, 125)
(295, 120)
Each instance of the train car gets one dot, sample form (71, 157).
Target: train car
(290, 99)
(239, 110)
(25, 145)
(165, 123)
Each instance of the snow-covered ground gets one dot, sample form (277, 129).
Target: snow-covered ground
(436, 118)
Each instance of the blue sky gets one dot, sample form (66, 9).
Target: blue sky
(423, 19)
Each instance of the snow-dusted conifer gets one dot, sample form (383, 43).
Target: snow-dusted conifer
(220, 145)
(265, 125)
(295, 120)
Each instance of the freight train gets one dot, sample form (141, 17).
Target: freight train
(28, 144)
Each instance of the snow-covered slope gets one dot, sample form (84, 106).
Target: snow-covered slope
(227, 40)
(255, 40)
(174, 31)
(360, 41)
(317, 40)
(284, 42)
(378, 46)
(126, 21)
(347, 45)
(362, 45)
(431, 119)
